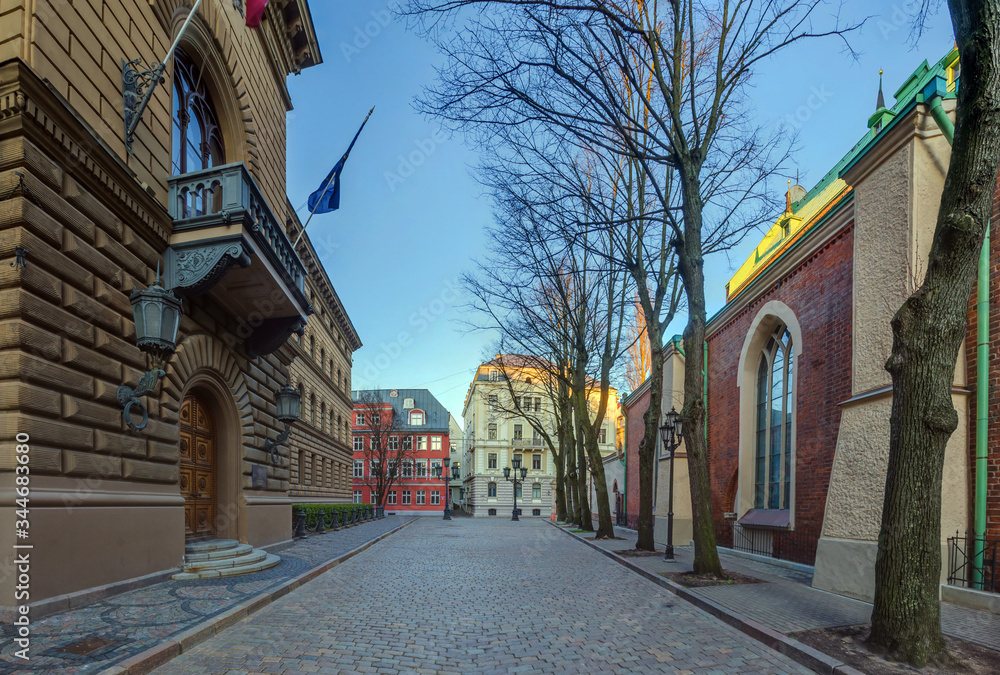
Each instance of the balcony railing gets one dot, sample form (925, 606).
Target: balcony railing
(227, 194)
(792, 545)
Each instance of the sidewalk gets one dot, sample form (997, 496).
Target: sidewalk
(787, 603)
(128, 624)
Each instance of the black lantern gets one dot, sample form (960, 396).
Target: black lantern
(520, 472)
(157, 315)
(287, 400)
(506, 472)
(456, 472)
(671, 435)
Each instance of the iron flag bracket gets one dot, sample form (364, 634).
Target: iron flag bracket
(137, 90)
(271, 447)
(129, 397)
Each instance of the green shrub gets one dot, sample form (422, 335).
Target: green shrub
(312, 511)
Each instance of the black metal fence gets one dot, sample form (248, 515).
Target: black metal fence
(972, 562)
(792, 545)
(323, 518)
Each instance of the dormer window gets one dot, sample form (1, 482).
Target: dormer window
(417, 418)
(494, 376)
(407, 403)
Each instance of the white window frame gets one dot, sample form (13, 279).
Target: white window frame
(491, 487)
(435, 497)
(421, 497)
(435, 442)
(394, 443)
(359, 468)
(392, 497)
(422, 468)
(417, 418)
(421, 443)
(359, 443)
(359, 419)
(536, 490)
(491, 431)
(407, 494)
(408, 468)
(357, 496)
(536, 462)
(492, 460)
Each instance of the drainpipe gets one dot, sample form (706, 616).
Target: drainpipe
(933, 93)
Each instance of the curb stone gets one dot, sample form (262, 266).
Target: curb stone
(184, 641)
(790, 647)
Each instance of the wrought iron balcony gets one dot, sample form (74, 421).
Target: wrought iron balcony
(227, 241)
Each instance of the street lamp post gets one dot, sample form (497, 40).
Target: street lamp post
(518, 469)
(671, 434)
(446, 475)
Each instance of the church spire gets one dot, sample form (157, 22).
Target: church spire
(880, 103)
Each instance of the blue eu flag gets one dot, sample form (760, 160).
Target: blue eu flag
(327, 197)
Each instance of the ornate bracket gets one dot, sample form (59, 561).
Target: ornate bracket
(272, 333)
(271, 447)
(195, 270)
(137, 89)
(128, 397)
(20, 258)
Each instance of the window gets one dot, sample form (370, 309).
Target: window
(435, 497)
(359, 418)
(408, 469)
(435, 442)
(491, 431)
(376, 419)
(416, 418)
(357, 496)
(602, 435)
(197, 137)
(359, 443)
(393, 468)
(421, 496)
(536, 490)
(406, 496)
(538, 405)
(322, 358)
(359, 468)
(407, 443)
(517, 403)
(518, 491)
(491, 512)
(435, 467)
(494, 376)
(518, 432)
(407, 403)
(516, 461)
(772, 466)
(375, 468)
(536, 438)
(491, 460)
(421, 442)
(536, 462)
(392, 496)
(536, 512)
(322, 415)
(312, 409)
(491, 490)
(493, 401)
(312, 347)
(422, 469)
(394, 443)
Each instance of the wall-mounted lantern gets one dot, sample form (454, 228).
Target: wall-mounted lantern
(157, 315)
(288, 401)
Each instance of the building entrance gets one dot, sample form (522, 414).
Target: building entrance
(198, 468)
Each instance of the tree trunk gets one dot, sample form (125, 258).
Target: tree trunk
(558, 462)
(569, 455)
(649, 444)
(691, 266)
(927, 333)
(583, 490)
(605, 523)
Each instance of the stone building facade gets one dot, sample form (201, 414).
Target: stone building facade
(495, 435)
(200, 196)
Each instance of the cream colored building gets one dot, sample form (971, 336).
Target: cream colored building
(495, 435)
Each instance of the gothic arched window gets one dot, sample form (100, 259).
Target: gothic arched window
(197, 138)
(775, 395)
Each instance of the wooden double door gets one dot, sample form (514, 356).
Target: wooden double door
(198, 469)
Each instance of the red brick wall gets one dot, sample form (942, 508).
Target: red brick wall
(819, 292)
(993, 414)
(635, 428)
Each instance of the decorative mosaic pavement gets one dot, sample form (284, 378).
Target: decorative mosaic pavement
(123, 625)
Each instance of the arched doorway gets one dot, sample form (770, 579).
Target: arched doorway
(199, 482)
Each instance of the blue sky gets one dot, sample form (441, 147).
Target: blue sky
(411, 217)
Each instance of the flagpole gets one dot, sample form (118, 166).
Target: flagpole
(327, 186)
(149, 79)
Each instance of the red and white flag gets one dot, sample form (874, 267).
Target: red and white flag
(255, 12)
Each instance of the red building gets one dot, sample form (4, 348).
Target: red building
(421, 431)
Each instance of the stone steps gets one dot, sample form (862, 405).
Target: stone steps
(222, 558)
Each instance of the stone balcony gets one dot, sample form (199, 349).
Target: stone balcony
(226, 241)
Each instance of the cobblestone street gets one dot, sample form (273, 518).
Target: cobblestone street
(480, 596)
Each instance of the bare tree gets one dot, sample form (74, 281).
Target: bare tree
(387, 449)
(927, 334)
(682, 117)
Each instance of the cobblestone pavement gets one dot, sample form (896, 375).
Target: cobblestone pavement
(788, 603)
(480, 596)
(137, 620)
